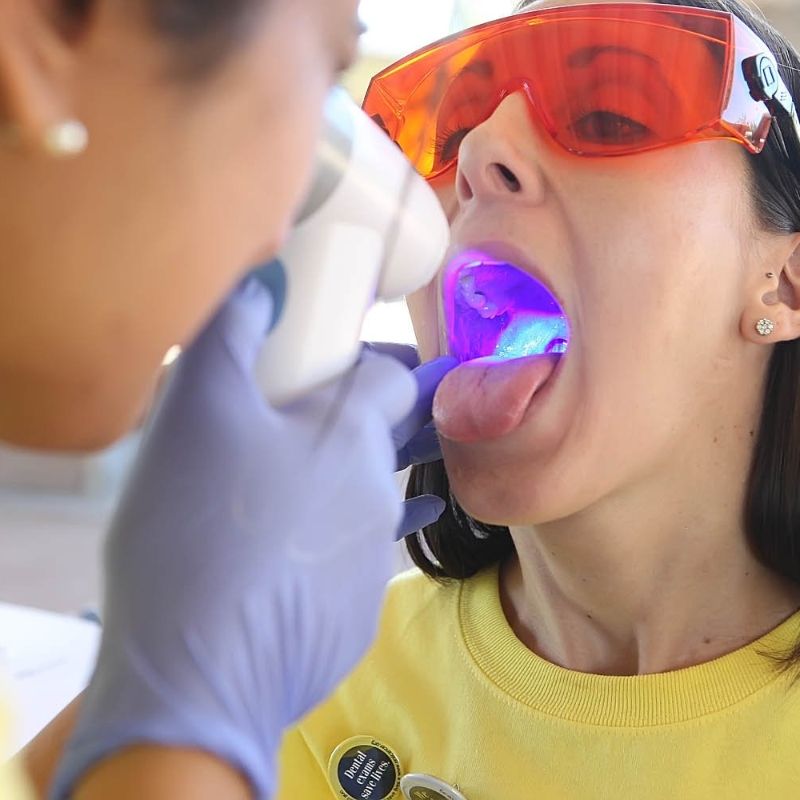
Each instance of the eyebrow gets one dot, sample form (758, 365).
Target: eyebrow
(479, 67)
(586, 55)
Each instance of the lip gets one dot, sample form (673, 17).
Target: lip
(462, 253)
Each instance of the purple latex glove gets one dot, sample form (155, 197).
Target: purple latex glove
(415, 437)
(246, 565)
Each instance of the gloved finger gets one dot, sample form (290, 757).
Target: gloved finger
(405, 353)
(422, 448)
(272, 277)
(428, 377)
(390, 386)
(238, 329)
(419, 512)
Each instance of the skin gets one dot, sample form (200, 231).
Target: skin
(630, 552)
(41, 756)
(186, 184)
(111, 258)
(624, 490)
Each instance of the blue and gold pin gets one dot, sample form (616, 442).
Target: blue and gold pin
(362, 768)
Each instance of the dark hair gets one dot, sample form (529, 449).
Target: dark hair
(202, 31)
(458, 546)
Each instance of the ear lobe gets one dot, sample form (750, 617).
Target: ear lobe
(35, 71)
(774, 314)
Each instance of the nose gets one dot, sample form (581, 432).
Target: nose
(499, 158)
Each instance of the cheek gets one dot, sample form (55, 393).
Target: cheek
(276, 165)
(423, 307)
(250, 163)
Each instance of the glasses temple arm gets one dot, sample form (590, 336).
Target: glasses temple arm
(767, 86)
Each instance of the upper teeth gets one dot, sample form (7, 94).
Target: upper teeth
(476, 300)
(472, 264)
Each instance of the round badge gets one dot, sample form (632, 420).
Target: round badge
(426, 787)
(362, 768)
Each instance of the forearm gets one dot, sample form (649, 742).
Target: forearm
(144, 771)
(160, 773)
(41, 756)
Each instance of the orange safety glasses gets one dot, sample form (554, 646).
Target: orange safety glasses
(606, 79)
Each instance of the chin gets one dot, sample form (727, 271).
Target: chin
(68, 419)
(491, 497)
(65, 432)
(501, 489)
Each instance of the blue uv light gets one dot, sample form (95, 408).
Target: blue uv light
(496, 309)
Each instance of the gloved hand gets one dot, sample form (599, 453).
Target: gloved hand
(246, 564)
(415, 437)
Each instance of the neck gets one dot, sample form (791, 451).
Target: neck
(650, 580)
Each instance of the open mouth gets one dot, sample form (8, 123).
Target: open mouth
(509, 333)
(493, 309)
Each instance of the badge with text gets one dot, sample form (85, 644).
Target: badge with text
(426, 787)
(362, 768)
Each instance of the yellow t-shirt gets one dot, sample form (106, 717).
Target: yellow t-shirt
(12, 783)
(452, 691)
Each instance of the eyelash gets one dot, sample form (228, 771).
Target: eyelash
(443, 138)
(632, 127)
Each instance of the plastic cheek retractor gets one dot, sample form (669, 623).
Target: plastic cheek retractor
(494, 309)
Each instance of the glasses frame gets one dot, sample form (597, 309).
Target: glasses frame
(751, 74)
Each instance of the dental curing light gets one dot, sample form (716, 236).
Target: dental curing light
(371, 229)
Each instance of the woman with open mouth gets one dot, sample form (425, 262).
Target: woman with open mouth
(614, 610)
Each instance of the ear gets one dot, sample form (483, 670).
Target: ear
(36, 70)
(776, 298)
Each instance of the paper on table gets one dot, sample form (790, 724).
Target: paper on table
(47, 659)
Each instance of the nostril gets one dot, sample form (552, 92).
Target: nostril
(508, 177)
(463, 189)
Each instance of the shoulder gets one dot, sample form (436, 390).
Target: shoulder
(413, 598)
(418, 623)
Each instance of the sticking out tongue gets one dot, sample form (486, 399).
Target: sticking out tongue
(487, 398)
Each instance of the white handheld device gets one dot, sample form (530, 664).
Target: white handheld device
(371, 229)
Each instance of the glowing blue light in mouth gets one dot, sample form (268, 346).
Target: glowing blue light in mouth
(495, 309)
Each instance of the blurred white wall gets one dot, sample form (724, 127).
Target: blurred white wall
(397, 27)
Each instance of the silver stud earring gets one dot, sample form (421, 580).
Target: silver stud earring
(66, 139)
(765, 327)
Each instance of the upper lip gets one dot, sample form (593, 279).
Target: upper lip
(462, 253)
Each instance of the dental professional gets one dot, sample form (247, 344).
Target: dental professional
(152, 152)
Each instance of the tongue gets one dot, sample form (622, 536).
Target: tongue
(486, 399)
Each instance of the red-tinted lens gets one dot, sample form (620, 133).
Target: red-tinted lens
(602, 79)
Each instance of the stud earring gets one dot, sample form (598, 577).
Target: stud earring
(66, 139)
(765, 327)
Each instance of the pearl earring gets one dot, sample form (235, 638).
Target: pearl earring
(765, 327)
(66, 139)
